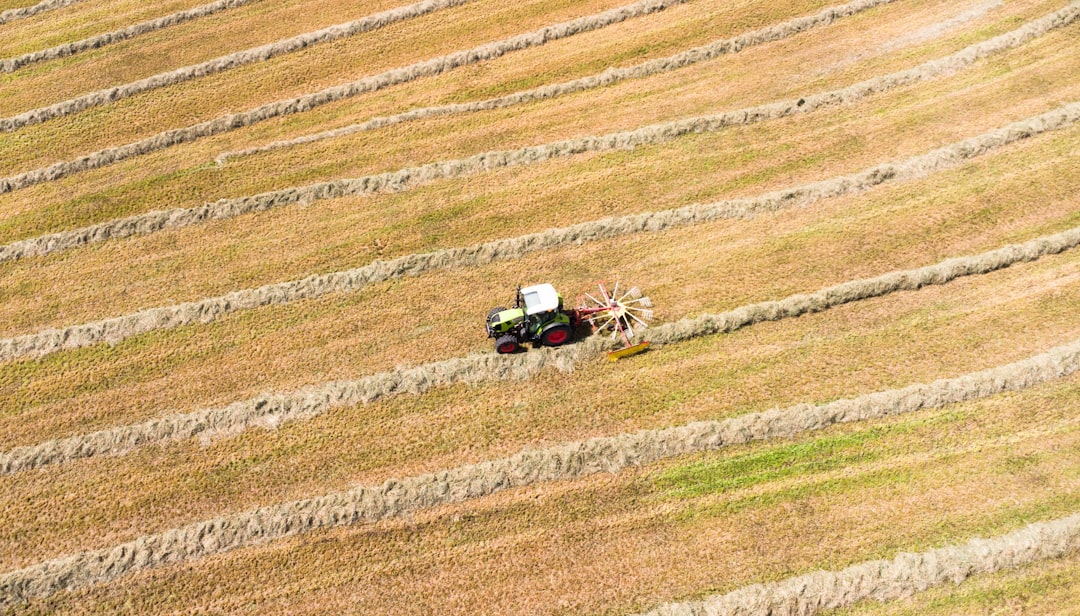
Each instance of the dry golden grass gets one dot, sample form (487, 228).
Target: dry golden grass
(974, 323)
(614, 544)
(607, 544)
(131, 274)
(81, 20)
(390, 323)
(726, 83)
(1044, 589)
(289, 75)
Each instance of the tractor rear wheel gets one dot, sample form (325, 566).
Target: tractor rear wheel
(555, 335)
(507, 344)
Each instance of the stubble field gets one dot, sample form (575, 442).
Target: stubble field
(242, 357)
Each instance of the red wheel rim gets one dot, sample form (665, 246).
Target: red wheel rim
(557, 336)
(507, 347)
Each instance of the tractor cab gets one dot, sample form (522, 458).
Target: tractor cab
(537, 317)
(542, 302)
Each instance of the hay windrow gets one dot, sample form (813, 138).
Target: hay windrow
(567, 461)
(368, 84)
(109, 156)
(30, 11)
(888, 580)
(404, 179)
(272, 410)
(605, 78)
(69, 49)
(115, 329)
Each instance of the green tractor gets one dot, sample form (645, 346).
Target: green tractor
(537, 317)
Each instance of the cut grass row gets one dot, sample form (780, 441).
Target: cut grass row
(908, 337)
(405, 178)
(396, 498)
(207, 310)
(68, 49)
(281, 172)
(898, 578)
(1039, 589)
(343, 337)
(97, 283)
(607, 77)
(30, 11)
(273, 410)
(291, 74)
(615, 544)
(652, 37)
(393, 77)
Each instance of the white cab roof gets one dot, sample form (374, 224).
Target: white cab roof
(540, 298)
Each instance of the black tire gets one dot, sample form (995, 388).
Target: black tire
(556, 334)
(507, 344)
(494, 311)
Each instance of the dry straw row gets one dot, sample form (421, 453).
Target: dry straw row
(167, 139)
(888, 580)
(403, 179)
(368, 84)
(570, 460)
(608, 77)
(69, 49)
(30, 11)
(272, 410)
(109, 156)
(115, 329)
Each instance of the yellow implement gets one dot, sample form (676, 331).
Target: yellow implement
(628, 351)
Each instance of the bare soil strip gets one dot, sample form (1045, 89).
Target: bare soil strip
(30, 11)
(888, 580)
(404, 179)
(567, 461)
(272, 410)
(115, 329)
(368, 84)
(61, 51)
(607, 77)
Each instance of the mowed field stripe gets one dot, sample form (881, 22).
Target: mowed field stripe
(607, 77)
(367, 84)
(273, 410)
(30, 11)
(108, 156)
(69, 49)
(115, 329)
(566, 461)
(406, 178)
(887, 580)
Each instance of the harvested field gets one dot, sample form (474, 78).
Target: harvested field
(242, 358)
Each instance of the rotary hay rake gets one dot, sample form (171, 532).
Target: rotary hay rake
(617, 314)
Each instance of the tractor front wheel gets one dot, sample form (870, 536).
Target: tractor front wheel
(555, 335)
(506, 344)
